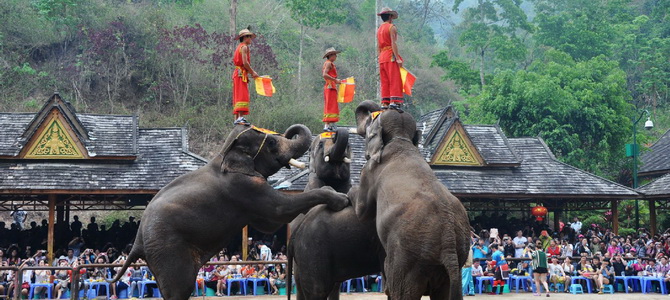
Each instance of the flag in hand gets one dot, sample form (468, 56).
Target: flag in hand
(347, 90)
(264, 86)
(408, 80)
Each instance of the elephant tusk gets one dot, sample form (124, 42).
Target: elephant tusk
(327, 158)
(347, 160)
(353, 131)
(297, 164)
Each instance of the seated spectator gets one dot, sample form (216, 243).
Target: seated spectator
(650, 268)
(554, 249)
(556, 273)
(61, 279)
(510, 251)
(247, 271)
(124, 282)
(477, 269)
(566, 248)
(41, 276)
(663, 267)
(569, 270)
(585, 269)
(614, 249)
(604, 276)
(619, 265)
(219, 277)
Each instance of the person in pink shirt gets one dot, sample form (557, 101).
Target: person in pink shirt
(613, 249)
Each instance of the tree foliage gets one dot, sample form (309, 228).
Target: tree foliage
(580, 109)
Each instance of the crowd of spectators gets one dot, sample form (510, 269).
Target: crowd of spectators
(99, 245)
(575, 250)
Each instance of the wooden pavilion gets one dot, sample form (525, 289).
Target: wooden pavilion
(60, 160)
(489, 172)
(656, 166)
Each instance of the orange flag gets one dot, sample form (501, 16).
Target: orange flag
(264, 86)
(408, 80)
(347, 90)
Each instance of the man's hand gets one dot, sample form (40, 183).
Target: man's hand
(400, 61)
(338, 81)
(254, 75)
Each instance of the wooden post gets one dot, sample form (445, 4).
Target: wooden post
(245, 242)
(557, 219)
(615, 216)
(50, 235)
(652, 216)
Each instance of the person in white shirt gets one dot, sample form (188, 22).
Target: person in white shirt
(576, 225)
(519, 244)
(265, 252)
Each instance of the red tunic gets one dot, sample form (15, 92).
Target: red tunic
(389, 71)
(331, 109)
(240, 83)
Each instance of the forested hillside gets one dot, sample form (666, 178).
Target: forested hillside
(571, 71)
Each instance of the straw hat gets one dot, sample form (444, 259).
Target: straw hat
(388, 11)
(245, 32)
(330, 51)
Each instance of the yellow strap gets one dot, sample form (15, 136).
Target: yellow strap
(242, 73)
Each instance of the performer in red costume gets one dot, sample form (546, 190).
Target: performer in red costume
(390, 60)
(241, 60)
(331, 109)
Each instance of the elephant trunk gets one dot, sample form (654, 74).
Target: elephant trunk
(299, 138)
(339, 149)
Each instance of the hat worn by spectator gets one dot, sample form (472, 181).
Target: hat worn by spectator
(330, 51)
(245, 32)
(388, 11)
(62, 257)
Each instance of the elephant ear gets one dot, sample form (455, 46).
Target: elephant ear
(417, 137)
(374, 141)
(363, 112)
(234, 159)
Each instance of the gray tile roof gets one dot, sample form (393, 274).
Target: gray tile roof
(13, 126)
(110, 135)
(492, 144)
(162, 158)
(537, 172)
(659, 188)
(657, 159)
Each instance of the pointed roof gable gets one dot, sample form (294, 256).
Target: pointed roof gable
(96, 136)
(486, 141)
(657, 159)
(659, 188)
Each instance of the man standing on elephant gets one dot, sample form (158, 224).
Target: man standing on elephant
(331, 109)
(390, 60)
(242, 60)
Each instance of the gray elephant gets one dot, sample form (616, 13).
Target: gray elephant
(198, 213)
(423, 228)
(330, 247)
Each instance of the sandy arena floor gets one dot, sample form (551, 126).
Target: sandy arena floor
(563, 296)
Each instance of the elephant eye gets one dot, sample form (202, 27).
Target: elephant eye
(272, 143)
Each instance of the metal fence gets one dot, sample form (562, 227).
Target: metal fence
(74, 292)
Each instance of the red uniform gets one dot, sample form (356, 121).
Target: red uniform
(331, 109)
(240, 83)
(389, 71)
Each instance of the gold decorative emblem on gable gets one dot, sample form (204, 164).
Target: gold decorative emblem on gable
(54, 141)
(457, 149)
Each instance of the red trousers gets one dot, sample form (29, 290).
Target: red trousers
(389, 73)
(331, 109)
(240, 93)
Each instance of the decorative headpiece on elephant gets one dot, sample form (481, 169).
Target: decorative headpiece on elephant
(422, 227)
(330, 161)
(379, 127)
(197, 214)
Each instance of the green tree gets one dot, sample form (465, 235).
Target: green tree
(493, 27)
(456, 70)
(583, 29)
(313, 14)
(580, 109)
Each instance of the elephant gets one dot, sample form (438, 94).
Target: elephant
(422, 227)
(330, 247)
(197, 214)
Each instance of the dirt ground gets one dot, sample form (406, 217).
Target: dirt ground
(563, 296)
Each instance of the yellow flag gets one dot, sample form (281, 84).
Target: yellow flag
(264, 86)
(347, 90)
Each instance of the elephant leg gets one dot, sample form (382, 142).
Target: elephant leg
(313, 287)
(405, 281)
(335, 292)
(440, 289)
(175, 270)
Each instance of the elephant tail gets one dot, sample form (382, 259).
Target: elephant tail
(135, 253)
(289, 276)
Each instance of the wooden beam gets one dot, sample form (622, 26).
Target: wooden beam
(76, 192)
(245, 242)
(50, 235)
(615, 217)
(652, 216)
